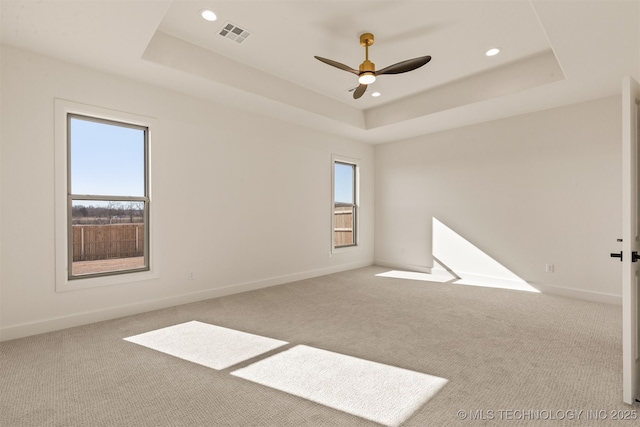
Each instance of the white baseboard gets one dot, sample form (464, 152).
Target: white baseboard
(555, 290)
(580, 294)
(83, 318)
(550, 289)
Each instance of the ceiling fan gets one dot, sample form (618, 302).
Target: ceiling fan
(367, 73)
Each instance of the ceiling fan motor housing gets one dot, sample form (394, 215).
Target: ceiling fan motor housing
(367, 66)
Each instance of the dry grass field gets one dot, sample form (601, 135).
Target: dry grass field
(104, 265)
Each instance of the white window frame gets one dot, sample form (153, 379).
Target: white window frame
(356, 224)
(63, 109)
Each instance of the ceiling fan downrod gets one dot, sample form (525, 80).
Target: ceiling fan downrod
(367, 68)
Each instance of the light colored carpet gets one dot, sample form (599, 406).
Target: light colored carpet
(377, 392)
(207, 345)
(499, 350)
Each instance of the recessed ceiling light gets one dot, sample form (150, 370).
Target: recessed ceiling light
(208, 15)
(493, 51)
(376, 94)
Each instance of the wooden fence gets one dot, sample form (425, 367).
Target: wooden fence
(343, 226)
(106, 241)
(94, 242)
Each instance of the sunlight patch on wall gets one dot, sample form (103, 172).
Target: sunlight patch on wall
(385, 394)
(454, 254)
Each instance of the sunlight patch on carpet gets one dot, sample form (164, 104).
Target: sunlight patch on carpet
(414, 275)
(208, 345)
(375, 391)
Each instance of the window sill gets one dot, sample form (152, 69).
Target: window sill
(344, 249)
(64, 285)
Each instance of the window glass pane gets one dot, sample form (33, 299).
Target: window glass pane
(344, 183)
(344, 209)
(106, 159)
(343, 217)
(107, 236)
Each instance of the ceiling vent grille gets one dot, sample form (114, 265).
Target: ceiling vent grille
(233, 32)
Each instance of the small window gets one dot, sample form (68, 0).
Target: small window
(345, 204)
(107, 197)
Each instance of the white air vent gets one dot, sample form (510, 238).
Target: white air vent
(233, 32)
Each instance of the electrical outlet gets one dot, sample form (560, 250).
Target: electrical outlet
(548, 268)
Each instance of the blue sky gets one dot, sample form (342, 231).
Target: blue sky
(343, 183)
(106, 159)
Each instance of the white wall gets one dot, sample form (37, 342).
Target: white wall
(529, 190)
(240, 200)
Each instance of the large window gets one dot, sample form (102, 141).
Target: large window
(108, 202)
(103, 197)
(345, 203)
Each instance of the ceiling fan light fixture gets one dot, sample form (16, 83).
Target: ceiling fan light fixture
(208, 15)
(367, 71)
(367, 78)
